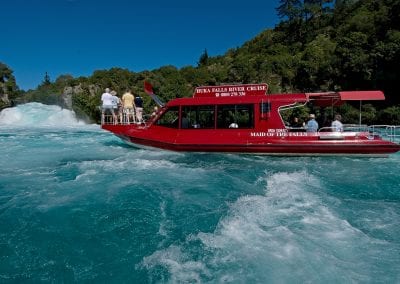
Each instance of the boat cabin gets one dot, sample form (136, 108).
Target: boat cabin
(227, 107)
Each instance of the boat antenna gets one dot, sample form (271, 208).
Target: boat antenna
(148, 88)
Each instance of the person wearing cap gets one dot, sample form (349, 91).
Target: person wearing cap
(312, 124)
(336, 124)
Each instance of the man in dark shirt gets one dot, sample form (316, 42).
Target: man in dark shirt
(139, 109)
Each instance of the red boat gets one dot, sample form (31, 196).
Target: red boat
(245, 119)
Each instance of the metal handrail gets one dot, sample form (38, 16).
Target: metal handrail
(120, 119)
(388, 132)
(392, 132)
(327, 129)
(355, 127)
(346, 128)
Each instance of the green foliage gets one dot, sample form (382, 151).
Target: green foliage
(390, 115)
(291, 9)
(350, 114)
(86, 106)
(368, 114)
(203, 60)
(7, 84)
(64, 80)
(47, 94)
(316, 70)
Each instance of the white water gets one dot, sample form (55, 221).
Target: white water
(38, 115)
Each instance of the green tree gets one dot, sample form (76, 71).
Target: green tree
(290, 9)
(203, 60)
(8, 86)
(390, 115)
(46, 80)
(316, 69)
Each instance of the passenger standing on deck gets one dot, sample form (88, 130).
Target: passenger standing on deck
(312, 124)
(336, 124)
(139, 109)
(107, 100)
(128, 106)
(116, 106)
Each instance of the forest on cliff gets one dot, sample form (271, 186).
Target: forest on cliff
(319, 45)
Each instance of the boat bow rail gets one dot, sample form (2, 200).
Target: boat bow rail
(387, 132)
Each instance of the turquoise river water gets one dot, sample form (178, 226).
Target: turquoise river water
(78, 205)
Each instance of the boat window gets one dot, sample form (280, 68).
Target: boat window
(235, 116)
(170, 118)
(198, 117)
(265, 107)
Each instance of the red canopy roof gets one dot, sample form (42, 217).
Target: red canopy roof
(362, 96)
(333, 98)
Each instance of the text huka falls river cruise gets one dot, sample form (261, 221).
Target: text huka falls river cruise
(245, 119)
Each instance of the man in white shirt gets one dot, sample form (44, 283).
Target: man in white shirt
(336, 124)
(312, 124)
(107, 100)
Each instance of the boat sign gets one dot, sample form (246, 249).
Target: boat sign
(231, 90)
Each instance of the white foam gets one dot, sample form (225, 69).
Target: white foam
(162, 230)
(86, 174)
(178, 264)
(285, 234)
(38, 115)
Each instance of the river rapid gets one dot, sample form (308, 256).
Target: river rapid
(78, 205)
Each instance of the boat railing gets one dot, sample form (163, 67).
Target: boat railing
(107, 119)
(120, 119)
(327, 129)
(355, 128)
(346, 128)
(388, 132)
(330, 133)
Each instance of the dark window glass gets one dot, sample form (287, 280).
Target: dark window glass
(265, 108)
(198, 117)
(170, 118)
(235, 116)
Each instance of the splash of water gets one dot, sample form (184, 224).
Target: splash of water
(38, 115)
(282, 236)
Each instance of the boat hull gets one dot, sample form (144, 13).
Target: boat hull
(232, 142)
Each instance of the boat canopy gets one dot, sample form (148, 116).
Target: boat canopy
(338, 98)
(362, 96)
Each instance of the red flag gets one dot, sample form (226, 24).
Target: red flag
(148, 88)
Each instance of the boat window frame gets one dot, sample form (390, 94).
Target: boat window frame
(173, 121)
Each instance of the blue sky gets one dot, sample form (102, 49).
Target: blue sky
(77, 37)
